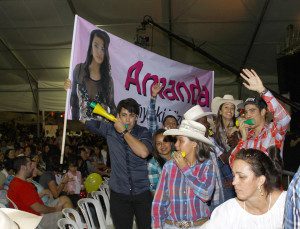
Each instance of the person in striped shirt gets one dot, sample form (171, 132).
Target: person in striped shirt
(169, 120)
(187, 181)
(261, 135)
(292, 204)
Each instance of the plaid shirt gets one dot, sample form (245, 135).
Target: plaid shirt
(292, 204)
(151, 116)
(182, 194)
(218, 195)
(271, 134)
(154, 171)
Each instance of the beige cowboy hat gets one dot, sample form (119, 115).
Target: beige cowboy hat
(195, 113)
(192, 129)
(15, 219)
(218, 101)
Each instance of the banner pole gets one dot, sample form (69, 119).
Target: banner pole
(68, 95)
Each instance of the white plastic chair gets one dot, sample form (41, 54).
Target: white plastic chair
(84, 205)
(65, 223)
(106, 179)
(104, 186)
(96, 195)
(69, 213)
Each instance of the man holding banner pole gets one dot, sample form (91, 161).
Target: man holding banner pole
(129, 146)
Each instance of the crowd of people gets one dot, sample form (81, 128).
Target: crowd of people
(32, 178)
(219, 169)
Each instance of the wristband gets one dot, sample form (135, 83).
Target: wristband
(263, 92)
(124, 132)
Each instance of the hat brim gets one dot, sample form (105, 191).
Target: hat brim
(24, 219)
(196, 117)
(218, 101)
(178, 132)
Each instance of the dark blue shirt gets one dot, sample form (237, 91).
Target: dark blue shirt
(129, 174)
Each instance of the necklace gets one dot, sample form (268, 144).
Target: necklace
(270, 200)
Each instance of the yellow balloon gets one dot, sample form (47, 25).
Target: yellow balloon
(92, 182)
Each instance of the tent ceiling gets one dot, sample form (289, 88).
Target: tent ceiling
(39, 34)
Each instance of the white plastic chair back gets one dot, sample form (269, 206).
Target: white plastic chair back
(65, 223)
(84, 205)
(69, 213)
(105, 187)
(106, 179)
(15, 206)
(96, 195)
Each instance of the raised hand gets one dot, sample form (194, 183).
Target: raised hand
(155, 89)
(253, 81)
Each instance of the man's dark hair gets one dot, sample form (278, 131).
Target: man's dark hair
(18, 162)
(129, 104)
(259, 102)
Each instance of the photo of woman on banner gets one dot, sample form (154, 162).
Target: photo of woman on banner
(92, 81)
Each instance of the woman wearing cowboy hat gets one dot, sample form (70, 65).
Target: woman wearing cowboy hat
(225, 108)
(187, 182)
(225, 137)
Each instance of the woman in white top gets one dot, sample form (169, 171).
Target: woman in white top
(260, 202)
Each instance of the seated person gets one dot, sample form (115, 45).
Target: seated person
(25, 196)
(46, 194)
(48, 181)
(74, 184)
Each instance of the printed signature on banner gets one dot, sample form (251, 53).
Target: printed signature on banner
(160, 114)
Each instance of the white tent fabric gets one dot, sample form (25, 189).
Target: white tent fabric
(36, 40)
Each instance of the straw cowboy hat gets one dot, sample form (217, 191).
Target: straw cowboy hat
(218, 101)
(195, 113)
(192, 129)
(15, 219)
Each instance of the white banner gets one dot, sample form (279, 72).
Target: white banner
(133, 71)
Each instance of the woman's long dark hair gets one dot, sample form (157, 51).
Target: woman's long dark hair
(220, 125)
(105, 66)
(161, 161)
(262, 165)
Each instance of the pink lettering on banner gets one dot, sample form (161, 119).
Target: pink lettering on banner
(136, 68)
(182, 85)
(171, 89)
(170, 93)
(147, 77)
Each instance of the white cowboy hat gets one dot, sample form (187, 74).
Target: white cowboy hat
(15, 219)
(192, 129)
(218, 101)
(195, 113)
